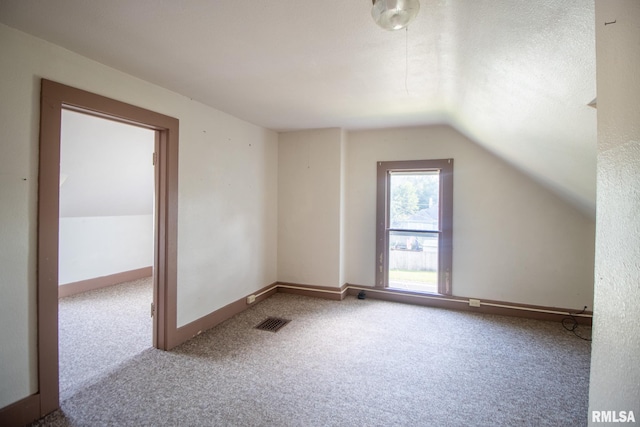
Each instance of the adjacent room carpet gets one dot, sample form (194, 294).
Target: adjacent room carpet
(349, 363)
(101, 329)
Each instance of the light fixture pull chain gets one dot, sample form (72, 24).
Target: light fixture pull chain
(406, 59)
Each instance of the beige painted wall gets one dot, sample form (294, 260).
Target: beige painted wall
(310, 167)
(227, 204)
(97, 246)
(615, 355)
(513, 240)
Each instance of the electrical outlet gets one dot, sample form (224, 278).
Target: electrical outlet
(474, 302)
(251, 299)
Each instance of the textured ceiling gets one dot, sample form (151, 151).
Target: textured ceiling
(515, 76)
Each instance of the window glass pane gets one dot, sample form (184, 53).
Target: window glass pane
(414, 200)
(413, 261)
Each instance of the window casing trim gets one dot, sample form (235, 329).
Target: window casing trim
(445, 252)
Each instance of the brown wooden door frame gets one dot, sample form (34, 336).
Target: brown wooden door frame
(55, 97)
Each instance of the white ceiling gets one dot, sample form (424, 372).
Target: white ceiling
(513, 75)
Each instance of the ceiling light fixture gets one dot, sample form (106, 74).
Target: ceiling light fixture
(394, 14)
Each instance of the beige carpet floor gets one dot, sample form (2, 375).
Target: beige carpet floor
(99, 330)
(349, 363)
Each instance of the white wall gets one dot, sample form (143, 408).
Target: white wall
(615, 352)
(309, 207)
(99, 246)
(227, 195)
(513, 240)
(228, 218)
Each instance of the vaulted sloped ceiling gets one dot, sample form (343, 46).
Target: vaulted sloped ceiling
(106, 167)
(514, 75)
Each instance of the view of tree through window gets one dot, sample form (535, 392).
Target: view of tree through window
(414, 200)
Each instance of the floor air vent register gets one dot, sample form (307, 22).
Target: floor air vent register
(272, 324)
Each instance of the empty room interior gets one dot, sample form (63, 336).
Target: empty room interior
(431, 205)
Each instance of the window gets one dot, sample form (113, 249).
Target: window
(414, 225)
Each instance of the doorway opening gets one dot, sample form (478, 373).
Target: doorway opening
(55, 98)
(105, 249)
